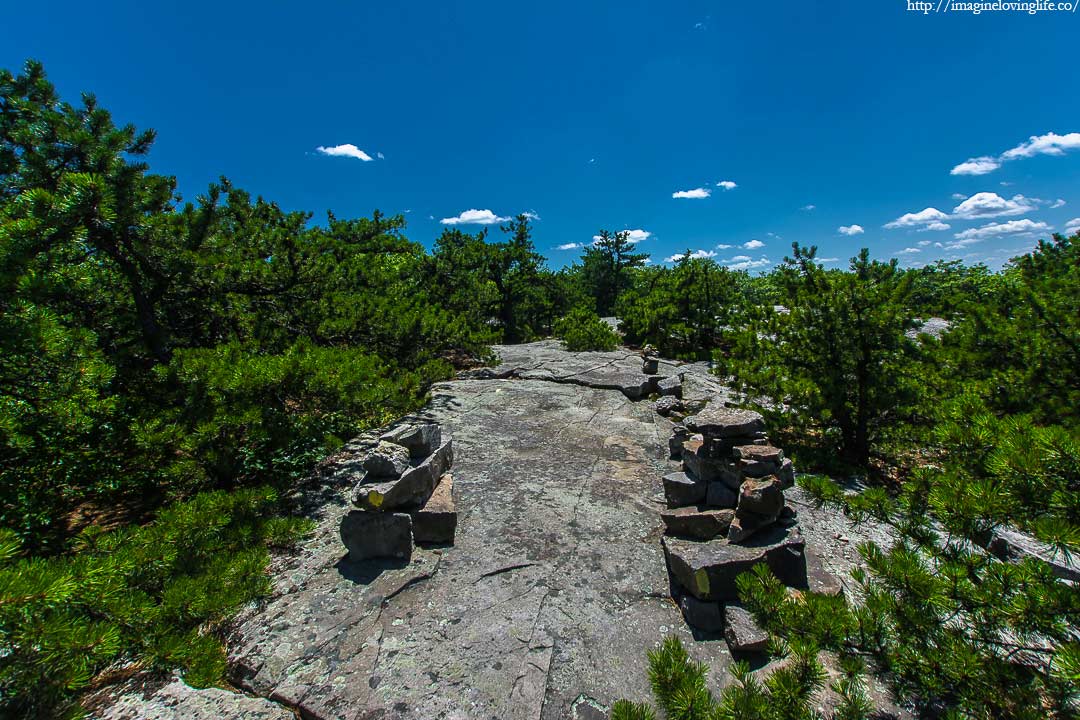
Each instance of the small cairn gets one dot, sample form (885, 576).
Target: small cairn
(405, 495)
(650, 360)
(726, 513)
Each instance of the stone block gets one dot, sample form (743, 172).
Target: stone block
(697, 523)
(681, 490)
(369, 535)
(436, 521)
(414, 486)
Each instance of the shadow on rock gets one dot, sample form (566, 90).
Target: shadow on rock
(364, 572)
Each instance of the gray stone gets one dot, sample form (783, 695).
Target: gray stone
(436, 521)
(720, 495)
(386, 460)
(670, 386)
(1011, 545)
(697, 523)
(708, 569)
(369, 535)
(703, 467)
(650, 365)
(818, 579)
(762, 496)
(667, 405)
(742, 632)
(414, 486)
(146, 698)
(720, 421)
(746, 524)
(679, 435)
(701, 614)
(681, 490)
(760, 453)
(420, 439)
(787, 473)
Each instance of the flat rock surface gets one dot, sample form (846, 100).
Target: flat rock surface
(544, 608)
(555, 587)
(172, 700)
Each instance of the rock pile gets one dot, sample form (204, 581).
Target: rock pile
(726, 513)
(404, 494)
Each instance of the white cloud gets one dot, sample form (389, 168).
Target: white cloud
(992, 230)
(346, 150)
(959, 196)
(531, 215)
(908, 251)
(753, 245)
(1060, 202)
(633, 236)
(727, 185)
(923, 243)
(990, 205)
(745, 262)
(1048, 144)
(935, 226)
(850, 230)
(808, 208)
(697, 254)
(1073, 225)
(695, 194)
(380, 156)
(474, 217)
(724, 247)
(828, 260)
(923, 218)
(568, 246)
(976, 166)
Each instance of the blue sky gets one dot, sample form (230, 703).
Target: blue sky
(593, 114)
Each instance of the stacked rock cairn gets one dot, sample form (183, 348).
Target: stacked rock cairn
(726, 513)
(405, 495)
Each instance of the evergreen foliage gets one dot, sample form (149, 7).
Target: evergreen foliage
(607, 268)
(583, 329)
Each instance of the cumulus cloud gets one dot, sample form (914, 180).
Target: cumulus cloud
(695, 194)
(991, 205)
(923, 243)
(727, 185)
(959, 196)
(993, 230)
(922, 219)
(1060, 202)
(474, 217)
(569, 246)
(908, 251)
(935, 226)
(976, 166)
(1073, 225)
(1048, 144)
(698, 254)
(824, 261)
(632, 236)
(531, 215)
(851, 230)
(753, 245)
(724, 247)
(808, 208)
(745, 262)
(346, 150)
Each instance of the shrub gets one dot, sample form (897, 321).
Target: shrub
(584, 330)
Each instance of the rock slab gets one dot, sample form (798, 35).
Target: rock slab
(414, 486)
(742, 632)
(436, 521)
(369, 535)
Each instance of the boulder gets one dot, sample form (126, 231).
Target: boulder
(697, 523)
(742, 632)
(414, 486)
(716, 420)
(708, 570)
(681, 490)
(436, 521)
(386, 460)
(368, 535)
(701, 614)
(670, 386)
(420, 439)
(667, 405)
(719, 495)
